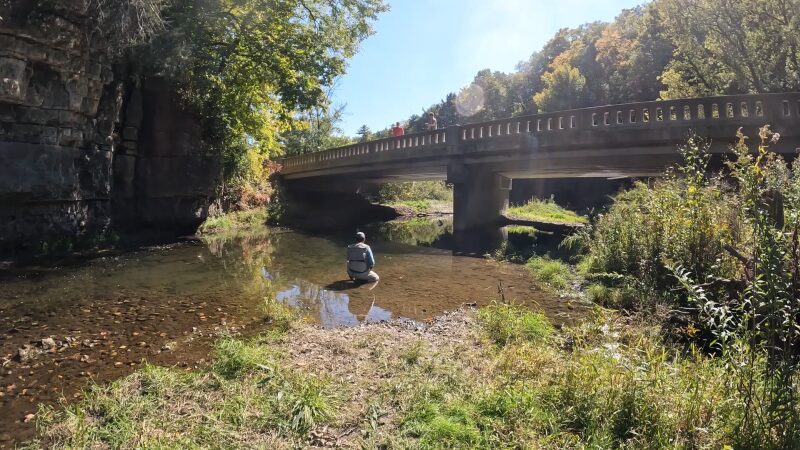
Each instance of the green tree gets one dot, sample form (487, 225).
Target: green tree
(732, 46)
(633, 52)
(564, 88)
(251, 68)
(314, 130)
(364, 133)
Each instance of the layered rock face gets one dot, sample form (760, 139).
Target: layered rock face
(81, 144)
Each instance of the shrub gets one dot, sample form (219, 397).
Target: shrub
(503, 323)
(683, 220)
(415, 190)
(728, 256)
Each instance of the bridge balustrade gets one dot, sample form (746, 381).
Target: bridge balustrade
(739, 110)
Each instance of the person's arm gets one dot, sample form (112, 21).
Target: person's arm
(370, 258)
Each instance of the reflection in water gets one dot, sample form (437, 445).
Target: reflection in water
(334, 307)
(165, 304)
(421, 270)
(420, 231)
(478, 242)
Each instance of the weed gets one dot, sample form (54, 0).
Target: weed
(234, 358)
(414, 352)
(279, 316)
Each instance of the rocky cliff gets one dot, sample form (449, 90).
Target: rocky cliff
(83, 145)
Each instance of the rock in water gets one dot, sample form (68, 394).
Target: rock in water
(48, 343)
(25, 353)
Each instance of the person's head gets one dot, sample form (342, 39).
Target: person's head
(360, 237)
(430, 113)
(397, 124)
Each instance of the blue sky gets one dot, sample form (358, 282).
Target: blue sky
(423, 49)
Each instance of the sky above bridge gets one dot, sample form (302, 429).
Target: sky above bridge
(423, 49)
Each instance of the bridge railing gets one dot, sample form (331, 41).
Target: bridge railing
(756, 109)
(354, 152)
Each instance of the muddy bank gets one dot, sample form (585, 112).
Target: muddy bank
(422, 208)
(562, 228)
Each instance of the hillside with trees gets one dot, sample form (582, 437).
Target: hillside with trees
(664, 49)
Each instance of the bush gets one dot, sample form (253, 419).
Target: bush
(503, 324)
(415, 190)
(727, 256)
(680, 220)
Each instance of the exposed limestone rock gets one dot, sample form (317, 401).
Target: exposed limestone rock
(78, 141)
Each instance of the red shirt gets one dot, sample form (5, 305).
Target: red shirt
(398, 131)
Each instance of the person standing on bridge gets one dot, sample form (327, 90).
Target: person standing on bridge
(398, 130)
(432, 122)
(360, 260)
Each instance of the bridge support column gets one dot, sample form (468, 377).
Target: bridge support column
(479, 196)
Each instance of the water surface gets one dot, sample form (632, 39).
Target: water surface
(167, 304)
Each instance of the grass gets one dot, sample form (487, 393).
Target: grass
(522, 229)
(544, 211)
(615, 386)
(499, 378)
(416, 205)
(553, 273)
(233, 221)
(245, 396)
(504, 323)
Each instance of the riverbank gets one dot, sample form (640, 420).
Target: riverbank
(489, 378)
(417, 208)
(234, 221)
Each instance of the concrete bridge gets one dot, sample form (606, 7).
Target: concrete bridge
(482, 159)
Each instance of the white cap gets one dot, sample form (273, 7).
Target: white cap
(361, 235)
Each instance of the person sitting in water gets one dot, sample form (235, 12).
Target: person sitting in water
(360, 260)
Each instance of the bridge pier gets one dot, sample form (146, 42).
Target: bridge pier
(480, 197)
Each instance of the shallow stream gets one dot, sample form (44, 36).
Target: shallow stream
(99, 320)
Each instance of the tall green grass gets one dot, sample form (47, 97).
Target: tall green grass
(544, 211)
(503, 323)
(551, 272)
